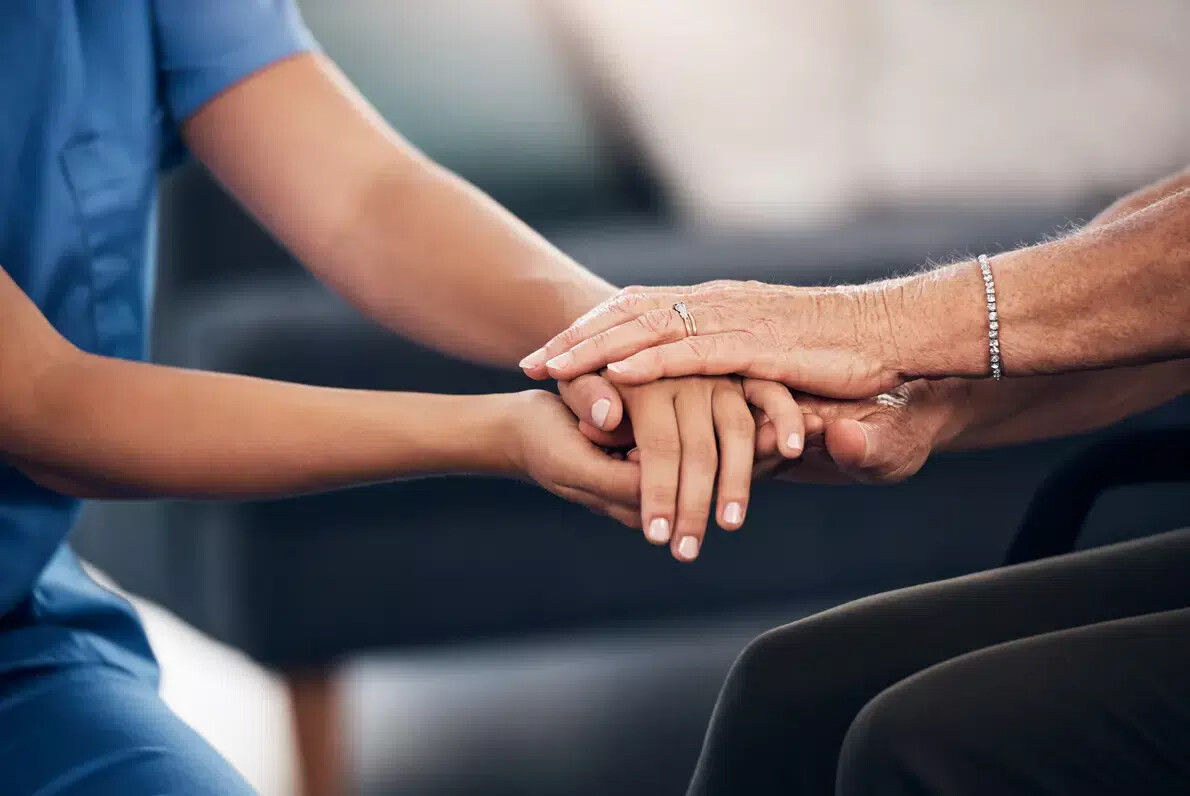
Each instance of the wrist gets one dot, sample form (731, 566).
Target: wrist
(936, 324)
(509, 415)
(485, 438)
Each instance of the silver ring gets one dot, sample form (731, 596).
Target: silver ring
(688, 319)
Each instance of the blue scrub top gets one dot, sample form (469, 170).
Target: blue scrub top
(91, 96)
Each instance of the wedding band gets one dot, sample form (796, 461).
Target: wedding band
(684, 313)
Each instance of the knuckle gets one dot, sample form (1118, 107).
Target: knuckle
(755, 391)
(572, 394)
(661, 495)
(740, 424)
(570, 336)
(661, 447)
(769, 328)
(651, 361)
(624, 303)
(594, 384)
(740, 337)
(656, 321)
(703, 456)
(714, 316)
(601, 341)
(701, 348)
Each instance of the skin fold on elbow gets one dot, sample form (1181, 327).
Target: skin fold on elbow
(27, 420)
(71, 487)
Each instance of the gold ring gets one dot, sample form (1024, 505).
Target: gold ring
(687, 318)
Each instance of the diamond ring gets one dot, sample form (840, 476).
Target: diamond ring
(684, 313)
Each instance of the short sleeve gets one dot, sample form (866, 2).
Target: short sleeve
(206, 47)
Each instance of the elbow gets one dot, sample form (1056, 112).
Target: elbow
(63, 485)
(32, 416)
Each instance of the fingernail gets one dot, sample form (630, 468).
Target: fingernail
(534, 359)
(619, 367)
(658, 530)
(688, 548)
(599, 411)
(794, 442)
(560, 361)
(733, 513)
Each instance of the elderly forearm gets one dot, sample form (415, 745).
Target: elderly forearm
(983, 414)
(1138, 200)
(1108, 296)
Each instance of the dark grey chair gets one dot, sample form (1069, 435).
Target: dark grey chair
(1059, 511)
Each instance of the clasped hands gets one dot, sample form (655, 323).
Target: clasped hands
(794, 382)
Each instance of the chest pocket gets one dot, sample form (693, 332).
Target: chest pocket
(113, 192)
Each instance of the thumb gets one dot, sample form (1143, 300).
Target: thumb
(883, 449)
(593, 399)
(599, 474)
(850, 443)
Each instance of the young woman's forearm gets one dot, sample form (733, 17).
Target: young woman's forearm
(417, 248)
(984, 414)
(434, 258)
(118, 429)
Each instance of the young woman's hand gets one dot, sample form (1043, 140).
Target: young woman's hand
(545, 444)
(695, 436)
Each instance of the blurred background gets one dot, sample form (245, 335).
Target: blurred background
(466, 636)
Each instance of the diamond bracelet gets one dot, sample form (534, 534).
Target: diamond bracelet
(989, 285)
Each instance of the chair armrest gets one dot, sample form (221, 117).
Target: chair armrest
(1061, 505)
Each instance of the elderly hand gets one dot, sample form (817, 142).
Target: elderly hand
(835, 342)
(881, 440)
(696, 438)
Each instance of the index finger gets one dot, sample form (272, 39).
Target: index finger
(655, 327)
(618, 309)
(656, 427)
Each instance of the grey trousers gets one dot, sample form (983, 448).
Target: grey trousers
(1069, 675)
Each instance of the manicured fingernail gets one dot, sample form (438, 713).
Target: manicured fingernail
(688, 548)
(794, 442)
(534, 359)
(658, 530)
(733, 513)
(619, 367)
(599, 411)
(560, 361)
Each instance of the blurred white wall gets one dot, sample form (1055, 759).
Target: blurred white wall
(771, 111)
